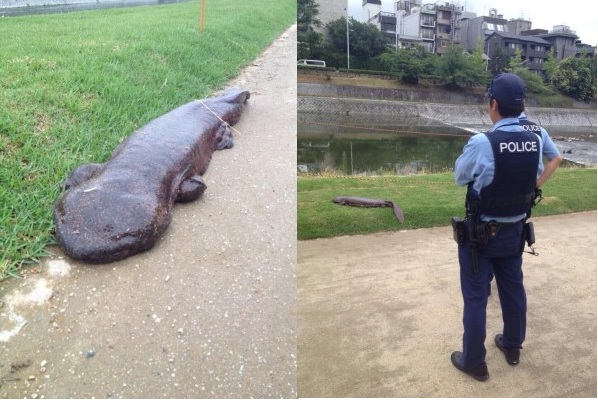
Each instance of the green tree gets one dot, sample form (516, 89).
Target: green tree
(499, 62)
(516, 61)
(550, 65)
(310, 44)
(574, 77)
(533, 82)
(365, 40)
(411, 62)
(456, 68)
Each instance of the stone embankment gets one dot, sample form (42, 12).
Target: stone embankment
(460, 109)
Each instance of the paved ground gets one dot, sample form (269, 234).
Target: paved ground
(379, 316)
(210, 311)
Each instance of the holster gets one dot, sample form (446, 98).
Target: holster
(458, 230)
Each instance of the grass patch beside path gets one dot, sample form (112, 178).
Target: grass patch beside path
(426, 200)
(73, 85)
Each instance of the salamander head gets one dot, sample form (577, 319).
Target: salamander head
(97, 225)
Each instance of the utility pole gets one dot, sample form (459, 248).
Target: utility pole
(347, 9)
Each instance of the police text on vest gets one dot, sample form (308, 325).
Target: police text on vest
(519, 147)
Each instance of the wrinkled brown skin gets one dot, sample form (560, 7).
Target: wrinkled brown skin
(367, 202)
(117, 209)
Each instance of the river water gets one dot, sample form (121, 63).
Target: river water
(348, 145)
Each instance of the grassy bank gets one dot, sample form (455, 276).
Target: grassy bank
(74, 85)
(314, 75)
(426, 200)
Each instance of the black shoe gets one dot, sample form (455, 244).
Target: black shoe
(480, 373)
(512, 355)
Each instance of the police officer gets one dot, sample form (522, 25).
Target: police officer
(502, 170)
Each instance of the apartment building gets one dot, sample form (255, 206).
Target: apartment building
(438, 26)
(534, 50)
(433, 26)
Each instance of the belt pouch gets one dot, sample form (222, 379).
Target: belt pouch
(530, 236)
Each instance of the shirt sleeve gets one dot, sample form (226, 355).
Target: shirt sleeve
(476, 163)
(549, 149)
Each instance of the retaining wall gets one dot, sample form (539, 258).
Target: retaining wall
(448, 108)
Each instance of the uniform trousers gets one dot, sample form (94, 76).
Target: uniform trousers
(501, 257)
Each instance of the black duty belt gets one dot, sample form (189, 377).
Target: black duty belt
(490, 229)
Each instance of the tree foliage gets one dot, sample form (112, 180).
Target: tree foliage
(365, 40)
(550, 65)
(576, 77)
(499, 62)
(410, 62)
(368, 48)
(456, 68)
(310, 44)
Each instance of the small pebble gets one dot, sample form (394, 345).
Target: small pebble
(90, 353)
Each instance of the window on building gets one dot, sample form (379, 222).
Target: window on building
(427, 20)
(427, 33)
(388, 27)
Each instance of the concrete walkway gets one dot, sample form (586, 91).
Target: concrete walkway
(379, 316)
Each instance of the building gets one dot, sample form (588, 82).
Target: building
(448, 29)
(371, 8)
(585, 50)
(534, 50)
(437, 26)
(563, 41)
(330, 10)
(433, 26)
(476, 29)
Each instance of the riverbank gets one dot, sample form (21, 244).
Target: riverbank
(569, 190)
(367, 105)
(389, 88)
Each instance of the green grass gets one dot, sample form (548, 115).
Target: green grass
(73, 85)
(426, 200)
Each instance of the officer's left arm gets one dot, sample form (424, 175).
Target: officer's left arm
(549, 169)
(553, 155)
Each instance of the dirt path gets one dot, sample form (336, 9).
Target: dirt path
(210, 311)
(379, 316)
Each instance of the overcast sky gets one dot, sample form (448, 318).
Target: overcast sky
(577, 15)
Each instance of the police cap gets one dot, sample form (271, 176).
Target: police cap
(507, 88)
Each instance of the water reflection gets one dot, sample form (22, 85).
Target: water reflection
(359, 147)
